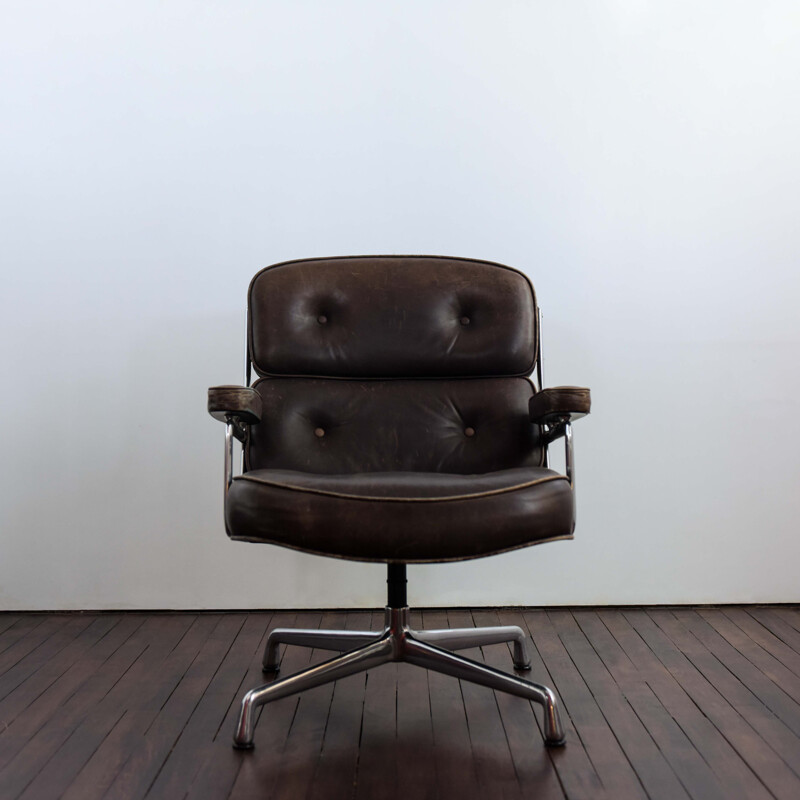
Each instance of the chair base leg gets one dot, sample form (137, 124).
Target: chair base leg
(398, 642)
(372, 655)
(464, 638)
(438, 660)
(322, 639)
(449, 639)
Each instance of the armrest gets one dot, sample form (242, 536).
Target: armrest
(239, 403)
(237, 407)
(559, 404)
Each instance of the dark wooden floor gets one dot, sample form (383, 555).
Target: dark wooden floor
(659, 703)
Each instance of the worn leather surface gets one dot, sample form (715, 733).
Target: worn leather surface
(238, 401)
(560, 401)
(401, 516)
(335, 426)
(395, 412)
(392, 316)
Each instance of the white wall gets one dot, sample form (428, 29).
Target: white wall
(638, 159)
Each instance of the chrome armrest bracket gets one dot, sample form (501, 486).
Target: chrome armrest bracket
(551, 432)
(238, 428)
(569, 460)
(234, 429)
(569, 456)
(555, 430)
(228, 456)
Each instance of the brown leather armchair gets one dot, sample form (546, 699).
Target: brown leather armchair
(394, 420)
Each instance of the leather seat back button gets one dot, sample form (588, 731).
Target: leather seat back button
(322, 319)
(469, 431)
(319, 432)
(465, 320)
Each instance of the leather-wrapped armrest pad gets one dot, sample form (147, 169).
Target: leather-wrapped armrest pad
(560, 401)
(234, 401)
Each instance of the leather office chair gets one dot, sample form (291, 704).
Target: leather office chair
(394, 420)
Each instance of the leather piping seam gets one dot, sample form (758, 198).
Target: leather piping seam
(380, 499)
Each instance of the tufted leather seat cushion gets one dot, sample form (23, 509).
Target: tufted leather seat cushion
(392, 316)
(401, 516)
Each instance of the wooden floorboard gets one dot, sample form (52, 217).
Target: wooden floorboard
(575, 772)
(8, 620)
(456, 774)
(791, 615)
(602, 747)
(260, 767)
(491, 754)
(659, 703)
(771, 620)
(195, 745)
(535, 771)
(23, 626)
(414, 749)
(306, 735)
(728, 708)
(652, 768)
(107, 735)
(689, 766)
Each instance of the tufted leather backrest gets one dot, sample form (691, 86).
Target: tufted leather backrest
(463, 426)
(392, 363)
(391, 317)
